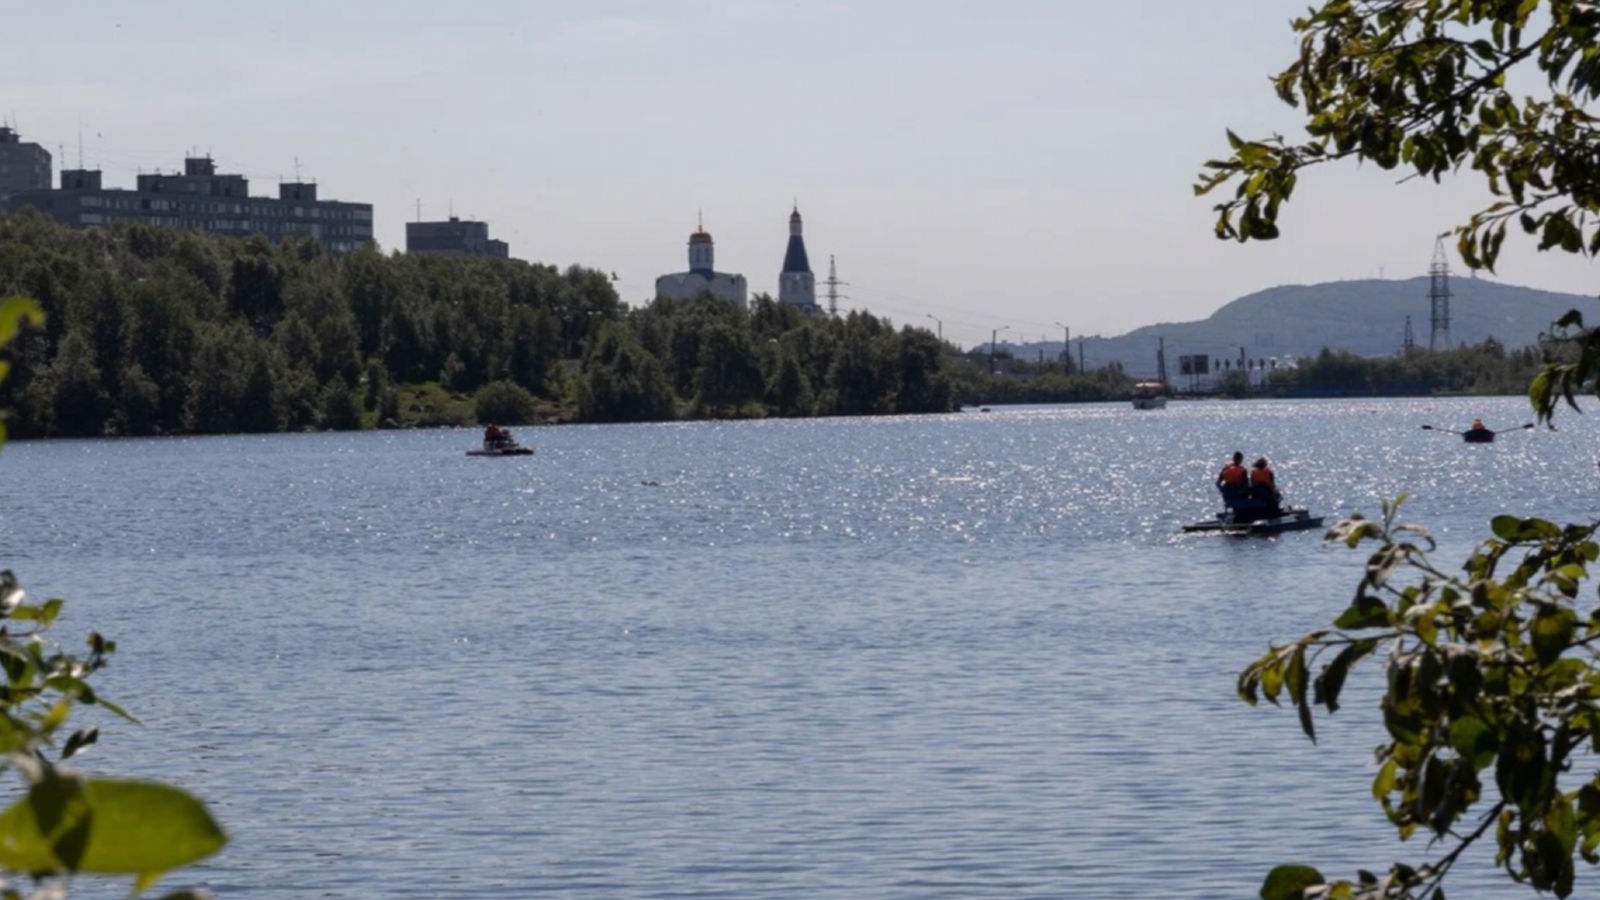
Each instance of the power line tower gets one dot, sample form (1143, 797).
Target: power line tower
(1410, 342)
(833, 283)
(1439, 297)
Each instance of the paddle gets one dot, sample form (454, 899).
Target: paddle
(1445, 430)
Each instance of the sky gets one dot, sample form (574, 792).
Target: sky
(972, 165)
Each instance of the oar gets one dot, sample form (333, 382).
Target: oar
(1445, 430)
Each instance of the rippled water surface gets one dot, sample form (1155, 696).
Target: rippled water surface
(945, 657)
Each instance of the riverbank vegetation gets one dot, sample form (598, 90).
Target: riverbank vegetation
(153, 331)
(1487, 368)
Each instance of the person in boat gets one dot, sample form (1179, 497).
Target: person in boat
(1264, 488)
(493, 437)
(1477, 425)
(1233, 482)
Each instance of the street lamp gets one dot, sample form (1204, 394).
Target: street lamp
(941, 325)
(993, 336)
(1066, 340)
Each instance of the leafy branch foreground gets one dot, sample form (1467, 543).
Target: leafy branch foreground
(66, 823)
(1490, 679)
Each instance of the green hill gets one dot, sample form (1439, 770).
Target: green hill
(1365, 317)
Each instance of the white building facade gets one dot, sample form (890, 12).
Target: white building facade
(702, 276)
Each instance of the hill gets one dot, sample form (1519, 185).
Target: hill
(1366, 317)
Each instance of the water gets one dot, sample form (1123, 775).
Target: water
(945, 657)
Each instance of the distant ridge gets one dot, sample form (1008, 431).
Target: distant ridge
(1366, 317)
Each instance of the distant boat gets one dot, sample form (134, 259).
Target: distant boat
(1149, 395)
(505, 446)
(1478, 433)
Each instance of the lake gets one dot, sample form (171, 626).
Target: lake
(960, 656)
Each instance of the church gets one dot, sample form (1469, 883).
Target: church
(701, 277)
(796, 285)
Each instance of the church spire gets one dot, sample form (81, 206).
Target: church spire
(796, 284)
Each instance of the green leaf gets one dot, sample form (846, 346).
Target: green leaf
(1551, 631)
(14, 313)
(132, 828)
(1383, 783)
(1365, 612)
(1331, 682)
(1290, 882)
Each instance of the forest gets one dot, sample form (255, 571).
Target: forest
(162, 331)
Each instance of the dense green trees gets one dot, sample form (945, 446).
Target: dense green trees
(1491, 700)
(1484, 369)
(159, 331)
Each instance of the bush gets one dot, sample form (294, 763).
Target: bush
(506, 403)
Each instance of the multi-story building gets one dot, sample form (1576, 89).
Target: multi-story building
(23, 167)
(455, 237)
(203, 200)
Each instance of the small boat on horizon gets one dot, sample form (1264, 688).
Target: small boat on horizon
(505, 445)
(1150, 395)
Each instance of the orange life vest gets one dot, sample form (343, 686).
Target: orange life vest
(1261, 477)
(1233, 473)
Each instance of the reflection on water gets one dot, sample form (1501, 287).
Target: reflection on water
(959, 656)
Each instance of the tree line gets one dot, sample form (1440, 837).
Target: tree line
(1486, 368)
(154, 330)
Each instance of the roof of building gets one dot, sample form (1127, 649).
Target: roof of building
(794, 260)
(701, 236)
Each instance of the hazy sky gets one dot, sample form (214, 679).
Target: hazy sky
(991, 163)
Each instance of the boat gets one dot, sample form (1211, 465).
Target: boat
(1149, 395)
(502, 448)
(1285, 520)
(1478, 433)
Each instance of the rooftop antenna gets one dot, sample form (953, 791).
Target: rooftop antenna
(834, 284)
(419, 209)
(297, 170)
(1439, 296)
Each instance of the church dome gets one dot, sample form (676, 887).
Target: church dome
(701, 236)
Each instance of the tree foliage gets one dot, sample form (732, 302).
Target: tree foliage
(152, 330)
(1484, 369)
(1492, 700)
(1426, 86)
